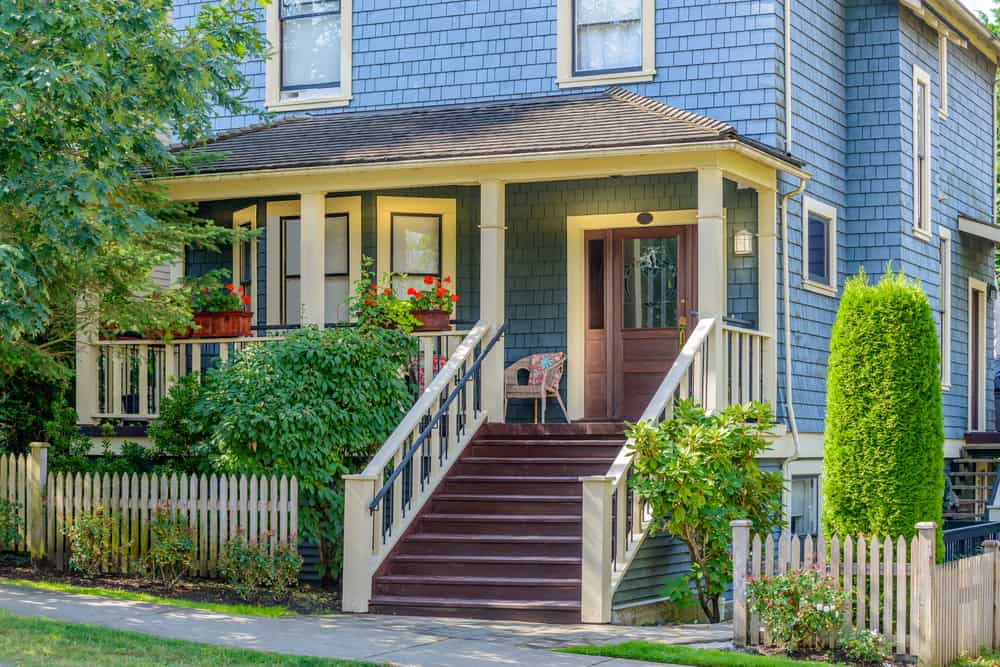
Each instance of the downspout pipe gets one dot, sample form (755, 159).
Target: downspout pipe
(786, 467)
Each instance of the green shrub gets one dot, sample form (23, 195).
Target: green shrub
(251, 570)
(884, 443)
(865, 647)
(316, 406)
(798, 609)
(698, 472)
(178, 435)
(171, 547)
(10, 523)
(90, 542)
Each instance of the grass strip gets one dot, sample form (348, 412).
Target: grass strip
(686, 655)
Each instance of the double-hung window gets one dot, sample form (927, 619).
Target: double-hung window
(416, 249)
(336, 269)
(311, 66)
(805, 505)
(921, 153)
(605, 41)
(819, 246)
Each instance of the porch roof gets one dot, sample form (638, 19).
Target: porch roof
(615, 118)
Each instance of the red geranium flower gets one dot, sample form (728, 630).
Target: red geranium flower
(229, 286)
(387, 291)
(441, 291)
(245, 299)
(447, 279)
(412, 292)
(204, 290)
(428, 280)
(454, 298)
(369, 302)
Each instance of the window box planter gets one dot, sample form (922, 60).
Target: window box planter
(433, 320)
(224, 324)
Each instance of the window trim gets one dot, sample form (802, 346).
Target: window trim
(922, 208)
(446, 209)
(943, 70)
(812, 206)
(976, 285)
(945, 308)
(440, 248)
(279, 208)
(331, 96)
(566, 76)
(242, 219)
(283, 287)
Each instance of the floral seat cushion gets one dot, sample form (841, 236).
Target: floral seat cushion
(543, 362)
(437, 365)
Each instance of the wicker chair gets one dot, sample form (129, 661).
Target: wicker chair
(544, 374)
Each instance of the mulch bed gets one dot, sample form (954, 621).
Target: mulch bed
(305, 599)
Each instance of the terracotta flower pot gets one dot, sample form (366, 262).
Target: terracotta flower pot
(433, 320)
(226, 324)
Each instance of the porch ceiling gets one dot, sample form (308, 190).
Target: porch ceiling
(613, 119)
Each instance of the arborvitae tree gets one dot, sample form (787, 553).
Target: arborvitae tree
(884, 444)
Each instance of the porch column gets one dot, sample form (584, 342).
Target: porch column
(712, 281)
(312, 246)
(492, 233)
(767, 287)
(86, 359)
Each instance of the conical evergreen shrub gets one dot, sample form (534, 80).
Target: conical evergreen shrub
(884, 441)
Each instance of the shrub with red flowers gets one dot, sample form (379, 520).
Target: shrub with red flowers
(436, 295)
(209, 296)
(375, 305)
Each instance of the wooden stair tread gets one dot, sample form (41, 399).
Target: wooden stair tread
(531, 459)
(472, 580)
(396, 600)
(449, 537)
(450, 558)
(504, 518)
(507, 498)
(507, 478)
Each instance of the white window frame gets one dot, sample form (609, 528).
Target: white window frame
(446, 209)
(291, 208)
(812, 206)
(566, 52)
(922, 206)
(945, 309)
(943, 70)
(816, 483)
(976, 285)
(317, 98)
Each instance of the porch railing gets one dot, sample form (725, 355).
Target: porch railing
(719, 365)
(131, 376)
(381, 502)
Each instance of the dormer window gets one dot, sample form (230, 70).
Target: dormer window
(602, 42)
(607, 36)
(310, 65)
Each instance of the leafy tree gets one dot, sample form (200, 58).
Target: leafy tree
(89, 93)
(884, 442)
(698, 472)
(317, 405)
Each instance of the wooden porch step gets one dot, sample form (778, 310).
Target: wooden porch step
(450, 503)
(600, 448)
(458, 544)
(547, 485)
(484, 566)
(521, 466)
(479, 588)
(503, 524)
(537, 611)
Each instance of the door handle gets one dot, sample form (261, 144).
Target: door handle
(682, 326)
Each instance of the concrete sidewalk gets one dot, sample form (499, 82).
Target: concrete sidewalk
(396, 640)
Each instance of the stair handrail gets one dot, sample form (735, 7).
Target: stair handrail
(442, 411)
(425, 402)
(662, 400)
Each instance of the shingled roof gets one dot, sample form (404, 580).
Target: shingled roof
(615, 118)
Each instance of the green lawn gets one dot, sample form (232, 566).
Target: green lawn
(243, 609)
(990, 659)
(40, 642)
(687, 655)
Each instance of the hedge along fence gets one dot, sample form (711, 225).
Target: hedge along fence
(263, 509)
(932, 612)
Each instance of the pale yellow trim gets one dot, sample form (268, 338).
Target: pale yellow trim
(943, 69)
(921, 77)
(946, 315)
(240, 218)
(351, 206)
(823, 210)
(741, 163)
(976, 285)
(565, 55)
(576, 281)
(331, 97)
(955, 13)
(446, 208)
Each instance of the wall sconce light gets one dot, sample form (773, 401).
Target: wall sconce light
(743, 243)
(644, 218)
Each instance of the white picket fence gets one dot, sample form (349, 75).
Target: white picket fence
(14, 488)
(264, 510)
(894, 587)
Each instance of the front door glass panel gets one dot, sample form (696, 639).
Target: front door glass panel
(649, 270)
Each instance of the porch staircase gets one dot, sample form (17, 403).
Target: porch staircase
(501, 536)
(973, 475)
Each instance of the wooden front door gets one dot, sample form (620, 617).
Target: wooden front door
(977, 373)
(641, 287)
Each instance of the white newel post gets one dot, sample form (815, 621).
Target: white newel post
(492, 277)
(741, 547)
(712, 287)
(86, 359)
(312, 252)
(359, 534)
(924, 571)
(37, 480)
(595, 583)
